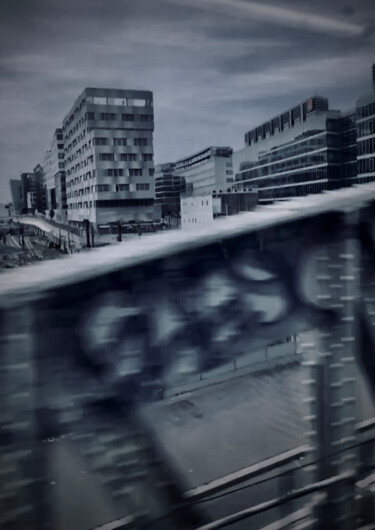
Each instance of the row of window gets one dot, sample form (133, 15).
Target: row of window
(123, 102)
(305, 176)
(366, 128)
(112, 116)
(124, 157)
(139, 142)
(132, 172)
(114, 203)
(291, 164)
(111, 172)
(307, 146)
(76, 140)
(143, 186)
(366, 147)
(292, 191)
(78, 180)
(366, 110)
(366, 165)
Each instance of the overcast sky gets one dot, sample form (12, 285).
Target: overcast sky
(216, 67)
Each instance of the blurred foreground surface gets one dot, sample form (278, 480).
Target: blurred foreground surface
(94, 346)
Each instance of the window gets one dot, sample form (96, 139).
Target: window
(146, 117)
(109, 157)
(147, 158)
(127, 117)
(90, 116)
(151, 172)
(114, 173)
(119, 141)
(102, 187)
(140, 142)
(106, 116)
(135, 172)
(98, 100)
(143, 187)
(100, 141)
(122, 187)
(136, 102)
(128, 157)
(117, 101)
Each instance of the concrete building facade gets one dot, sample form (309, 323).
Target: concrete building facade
(207, 171)
(108, 137)
(201, 211)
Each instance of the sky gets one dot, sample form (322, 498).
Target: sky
(217, 68)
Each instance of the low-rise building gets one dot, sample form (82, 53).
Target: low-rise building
(208, 170)
(201, 211)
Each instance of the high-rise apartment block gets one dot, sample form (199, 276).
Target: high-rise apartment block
(54, 177)
(108, 137)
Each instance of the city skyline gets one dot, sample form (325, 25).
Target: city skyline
(216, 69)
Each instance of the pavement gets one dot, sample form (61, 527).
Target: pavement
(216, 430)
(205, 434)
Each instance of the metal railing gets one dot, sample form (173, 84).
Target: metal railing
(86, 341)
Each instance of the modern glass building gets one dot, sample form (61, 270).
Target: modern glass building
(294, 154)
(308, 149)
(366, 138)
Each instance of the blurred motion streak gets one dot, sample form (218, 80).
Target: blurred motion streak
(85, 342)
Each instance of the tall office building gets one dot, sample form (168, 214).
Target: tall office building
(309, 149)
(365, 114)
(293, 154)
(168, 189)
(54, 177)
(33, 191)
(108, 137)
(18, 199)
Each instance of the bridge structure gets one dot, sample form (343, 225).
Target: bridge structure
(85, 342)
(68, 237)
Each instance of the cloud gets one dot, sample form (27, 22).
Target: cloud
(215, 71)
(276, 15)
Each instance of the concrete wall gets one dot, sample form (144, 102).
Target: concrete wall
(196, 212)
